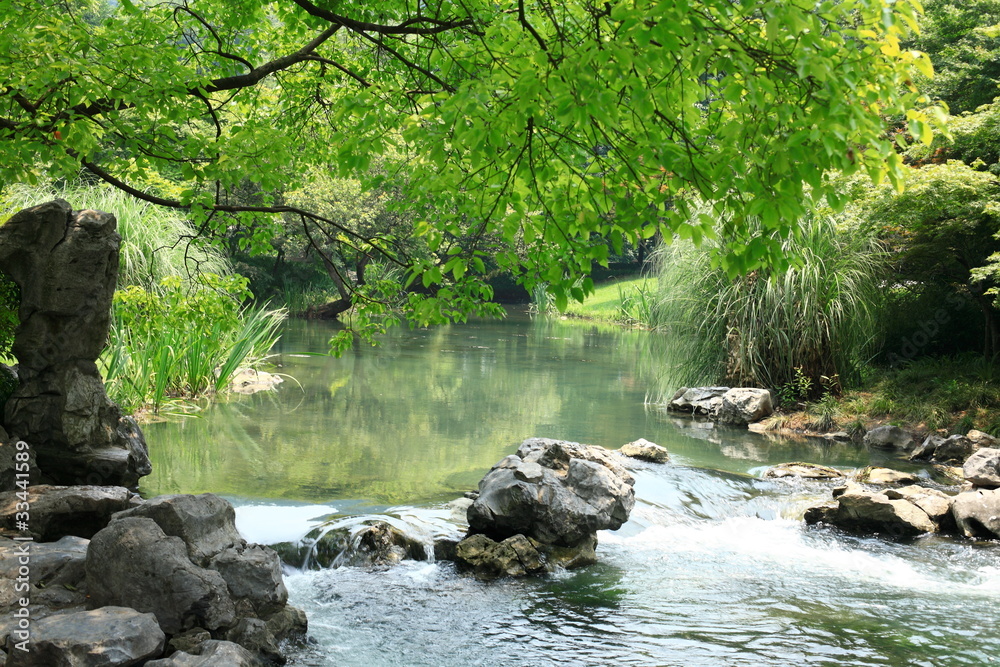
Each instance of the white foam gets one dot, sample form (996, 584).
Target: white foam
(270, 524)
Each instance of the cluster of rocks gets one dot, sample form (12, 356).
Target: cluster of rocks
(738, 406)
(899, 504)
(167, 583)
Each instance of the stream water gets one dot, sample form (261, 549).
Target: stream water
(714, 568)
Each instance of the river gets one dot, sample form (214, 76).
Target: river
(714, 568)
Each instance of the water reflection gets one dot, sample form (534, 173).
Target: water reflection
(421, 417)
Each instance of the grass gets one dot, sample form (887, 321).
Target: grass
(611, 300)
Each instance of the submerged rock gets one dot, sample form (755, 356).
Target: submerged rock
(645, 450)
(884, 476)
(802, 470)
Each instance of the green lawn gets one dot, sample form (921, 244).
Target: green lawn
(606, 302)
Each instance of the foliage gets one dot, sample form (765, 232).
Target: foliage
(817, 320)
(553, 128)
(962, 38)
(953, 393)
(10, 300)
(940, 230)
(177, 342)
(156, 242)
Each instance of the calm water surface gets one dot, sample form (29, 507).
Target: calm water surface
(714, 568)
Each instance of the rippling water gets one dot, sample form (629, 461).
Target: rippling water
(714, 568)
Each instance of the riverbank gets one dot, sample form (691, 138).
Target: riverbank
(924, 395)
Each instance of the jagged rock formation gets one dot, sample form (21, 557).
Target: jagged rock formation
(66, 265)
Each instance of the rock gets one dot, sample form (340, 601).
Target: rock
(983, 468)
(803, 470)
(838, 436)
(445, 548)
(253, 573)
(884, 476)
(382, 544)
(977, 513)
(936, 504)
(573, 491)
(645, 450)
(981, 440)
(327, 546)
(925, 450)
(65, 510)
(206, 523)
(954, 449)
(866, 513)
(569, 558)
(56, 573)
(253, 635)
(288, 624)
(744, 405)
(66, 265)
(133, 563)
(948, 474)
(188, 640)
(888, 437)
(698, 400)
(10, 466)
(826, 513)
(250, 381)
(212, 653)
(513, 557)
(109, 636)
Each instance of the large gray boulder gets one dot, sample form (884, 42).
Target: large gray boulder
(106, 637)
(954, 449)
(556, 492)
(65, 510)
(698, 400)
(888, 437)
(65, 263)
(206, 523)
(983, 468)
(863, 512)
(55, 576)
(211, 653)
(133, 563)
(977, 513)
(744, 405)
(181, 558)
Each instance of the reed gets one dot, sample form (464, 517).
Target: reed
(820, 319)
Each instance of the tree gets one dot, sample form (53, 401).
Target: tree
(552, 125)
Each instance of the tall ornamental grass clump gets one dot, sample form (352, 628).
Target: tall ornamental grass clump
(819, 320)
(183, 340)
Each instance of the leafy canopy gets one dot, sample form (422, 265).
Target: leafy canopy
(556, 126)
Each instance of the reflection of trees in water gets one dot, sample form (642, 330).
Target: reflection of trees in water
(422, 416)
